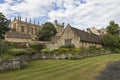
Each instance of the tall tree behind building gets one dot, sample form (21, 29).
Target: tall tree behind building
(48, 30)
(113, 28)
(3, 25)
(112, 38)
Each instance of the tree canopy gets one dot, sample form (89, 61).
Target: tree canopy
(48, 30)
(112, 38)
(3, 25)
(113, 28)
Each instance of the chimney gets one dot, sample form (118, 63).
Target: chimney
(55, 22)
(88, 30)
(63, 24)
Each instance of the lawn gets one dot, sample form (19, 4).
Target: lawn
(84, 69)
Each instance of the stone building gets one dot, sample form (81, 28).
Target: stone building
(78, 38)
(98, 32)
(22, 31)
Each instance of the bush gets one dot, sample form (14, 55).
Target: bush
(62, 50)
(70, 46)
(45, 51)
(116, 50)
(37, 47)
(16, 52)
(4, 47)
(30, 51)
(112, 72)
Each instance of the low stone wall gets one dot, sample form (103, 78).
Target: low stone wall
(39, 56)
(10, 64)
(18, 61)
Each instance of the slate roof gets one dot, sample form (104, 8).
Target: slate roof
(17, 35)
(87, 37)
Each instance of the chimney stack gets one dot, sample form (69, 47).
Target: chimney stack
(63, 24)
(55, 22)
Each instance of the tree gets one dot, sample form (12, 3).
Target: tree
(48, 30)
(113, 28)
(3, 25)
(111, 41)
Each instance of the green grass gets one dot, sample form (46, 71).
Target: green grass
(84, 69)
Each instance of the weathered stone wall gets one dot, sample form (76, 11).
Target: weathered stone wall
(10, 64)
(18, 61)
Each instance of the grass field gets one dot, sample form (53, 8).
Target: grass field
(84, 69)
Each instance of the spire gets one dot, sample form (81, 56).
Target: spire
(34, 21)
(20, 18)
(38, 23)
(30, 20)
(25, 19)
(15, 18)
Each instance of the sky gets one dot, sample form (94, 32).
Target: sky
(81, 14)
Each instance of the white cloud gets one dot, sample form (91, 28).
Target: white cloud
(96, 13)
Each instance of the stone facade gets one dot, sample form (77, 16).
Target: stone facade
(24, 27)
(22, 31)
(10, 64)
(76, 37)
(98, 32)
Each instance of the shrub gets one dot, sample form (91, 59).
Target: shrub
(17, 52)
(45, 51)
(69, 46)
(116, 50)
(4, 47)
(62, 50)
(37, 47)
(30, 51)
(112, 72)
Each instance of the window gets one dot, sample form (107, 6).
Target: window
(68, 42)
(22, 28)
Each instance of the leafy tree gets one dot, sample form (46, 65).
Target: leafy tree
(48, 30)
(3, 25)
(112, 39)
(113, 28)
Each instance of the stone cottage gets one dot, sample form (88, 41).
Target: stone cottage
(78, 38)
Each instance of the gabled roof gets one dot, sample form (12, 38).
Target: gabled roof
(86, 37)
(17, 35)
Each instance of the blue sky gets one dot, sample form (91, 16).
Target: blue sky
(79, 13)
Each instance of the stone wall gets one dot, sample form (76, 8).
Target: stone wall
(18, 61)
(10, 64)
